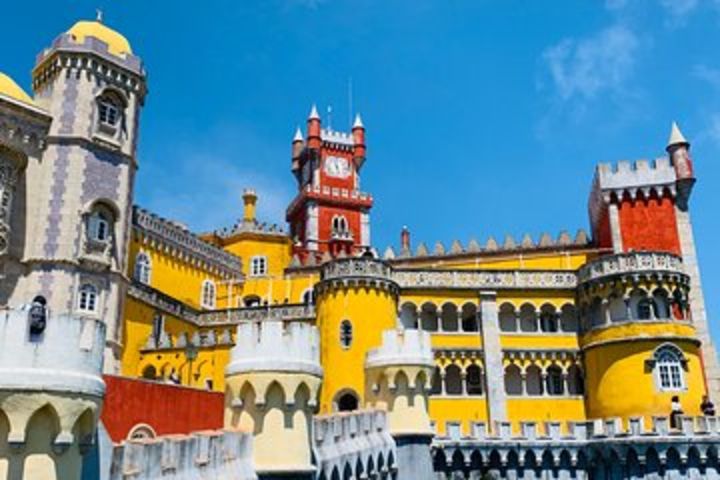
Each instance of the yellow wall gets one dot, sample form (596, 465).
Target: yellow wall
(462, 409)
(371, 311)
(557, 409)
(175, 277)
(619, 383)
(553, 260)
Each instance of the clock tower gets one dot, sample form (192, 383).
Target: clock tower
(329, 214)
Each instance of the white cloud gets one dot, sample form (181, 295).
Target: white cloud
(708, 74)
(679, 9)
(586, 67)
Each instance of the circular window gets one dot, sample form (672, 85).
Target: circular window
(346, 333)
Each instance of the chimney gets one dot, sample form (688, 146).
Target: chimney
(249, 203)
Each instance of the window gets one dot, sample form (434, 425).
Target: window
(99, 226)
(258, 266)
(207, 299)
(554, 381)
(142, 268)
(346, 333)
(109, 113)
(548, 320)
(157, 327)
(669, 361)
(473, 377)
(644, 309)
(251, 301)
(339, 224)
(308, 297)
(347, 402)
(88, 298)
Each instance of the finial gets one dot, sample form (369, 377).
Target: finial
(358, 122)
(298, 135)
(676, 137)
(314, 115)
(98, 15)
(329, 117)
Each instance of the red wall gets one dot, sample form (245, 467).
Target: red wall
(649, 224)
(166, 408)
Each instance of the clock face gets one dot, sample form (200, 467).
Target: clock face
(337, 167)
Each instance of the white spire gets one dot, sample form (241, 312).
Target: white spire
(314, 115)
(358, 122)
(298, 135)
(676, 136)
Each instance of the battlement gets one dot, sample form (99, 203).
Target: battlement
(66, 357)
(402, 347)
(353, 445)
(640, 175)
(275, 346)
(210, 454)
(340, 138)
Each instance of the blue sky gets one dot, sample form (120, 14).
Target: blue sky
(483, 117)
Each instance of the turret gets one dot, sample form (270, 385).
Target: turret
(272, 382)
(358, 132)
(397, 376)
(79, 196)
(314, 129)
(356, 302)
(51, 391)
(405, 249)
(298, 144)
(678, 150)
(249, 205)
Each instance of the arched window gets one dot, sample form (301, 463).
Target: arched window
(429, 317)
(568, 318)
(528, 321)
(513, 380)
(308, 297)
(149, 373)
(143, 268)
(507, 318)
(554, 381)
(436, 382)
(346, 334)
(208, 295)
(110, 113)
(141, 431)
(473, 379)
(548, 319)
(533, 380)
(575, 382)
(99, 225)
(251, 301)
(669, 366)
(88, 298)
(158, 327)
(661, 304)
(453, 380)
(640, 307)
(449, 317)
(258, 266)
(597, 317)
(339, 224)
(644, 309)
(408, 316)
(470, 318)
(618, 308)
(347, 402)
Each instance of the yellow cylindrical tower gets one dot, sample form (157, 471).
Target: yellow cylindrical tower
(271, 387)
(356, 302)
(640, 348)
(249, 205)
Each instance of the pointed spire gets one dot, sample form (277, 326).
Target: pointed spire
(358, 123)
(676, 137)
(314, 115)
(298, 135)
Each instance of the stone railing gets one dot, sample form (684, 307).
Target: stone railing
(294, 312)
(488, 279)
(213, 454)
(163, 302)
(585, 447)
(631, 263)
(357, 440)
(181, 238)
(358, 267)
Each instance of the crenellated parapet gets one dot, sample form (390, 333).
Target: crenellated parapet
(354, 445)
(357, 272)
(272, 384)
(51, 391)
(210, 454)
(599, 447)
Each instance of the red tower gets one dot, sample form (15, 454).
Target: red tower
(330, 213)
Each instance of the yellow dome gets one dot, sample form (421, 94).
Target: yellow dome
(9, 88)
(117, 44)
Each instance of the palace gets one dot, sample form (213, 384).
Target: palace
(134, 348)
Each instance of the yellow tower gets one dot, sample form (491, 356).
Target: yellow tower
(356, 302)
(639, 344)
(272, 383)
(51, 391)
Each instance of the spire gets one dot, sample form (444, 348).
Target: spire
(298, 135)
(98, 15)
(314, 115)
(358, 123)
(676, 137)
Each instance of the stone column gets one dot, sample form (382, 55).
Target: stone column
(615, 227)
(493, 357)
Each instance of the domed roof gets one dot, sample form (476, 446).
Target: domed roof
(10, 89)
(117, 44)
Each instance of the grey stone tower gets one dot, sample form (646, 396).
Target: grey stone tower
(79, 195)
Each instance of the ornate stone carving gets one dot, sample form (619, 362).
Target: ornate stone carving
(491, 279)
(631, 263)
